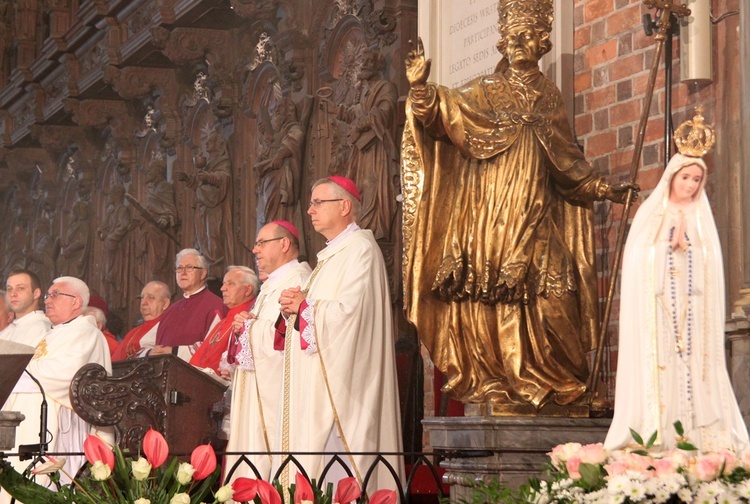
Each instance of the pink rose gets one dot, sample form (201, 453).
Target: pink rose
(730, 461)
(638, 463)
(664, 467)
(562, 453)
(616, 468)
(593, 454)
(572, 465)
(707, 467)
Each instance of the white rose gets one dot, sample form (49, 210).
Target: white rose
(180, 498)
(185, 473)
(142, 501)
(100, 471)
(224, 493)
(141, 468)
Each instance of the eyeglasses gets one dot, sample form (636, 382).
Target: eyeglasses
(260, 243)
(54, 294)
(189, 268)
(317, 202)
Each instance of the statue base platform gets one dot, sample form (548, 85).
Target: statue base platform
(511, 450)
(9, 420)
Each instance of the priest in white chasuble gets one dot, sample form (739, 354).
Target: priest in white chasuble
(257, 355)
(340, 389)
(72, 343)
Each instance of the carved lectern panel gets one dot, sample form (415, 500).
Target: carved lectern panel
(162, 392)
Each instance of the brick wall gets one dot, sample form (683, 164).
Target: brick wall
(612, 62)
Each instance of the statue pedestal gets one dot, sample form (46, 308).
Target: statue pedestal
(509, 449)
(9, 420)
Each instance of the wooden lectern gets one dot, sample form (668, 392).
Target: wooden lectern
(164, 392)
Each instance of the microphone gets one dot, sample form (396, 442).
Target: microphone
(25, 452)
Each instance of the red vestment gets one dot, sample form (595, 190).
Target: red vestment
(216, 341)
(131, 343)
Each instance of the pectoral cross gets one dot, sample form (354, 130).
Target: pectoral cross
(667, 7)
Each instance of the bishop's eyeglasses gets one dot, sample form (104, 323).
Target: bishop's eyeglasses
(317, 202)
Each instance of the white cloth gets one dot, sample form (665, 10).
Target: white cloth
(246, 431)
(350, 313)
(148, 341)
(63, 351)
(665, 375)
(27, 330)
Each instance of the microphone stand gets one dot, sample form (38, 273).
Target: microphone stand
(25, 452)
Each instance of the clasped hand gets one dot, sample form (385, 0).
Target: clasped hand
(290, 300)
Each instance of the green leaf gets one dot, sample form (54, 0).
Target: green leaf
(591, 476)
(678, 427)
(637, 437)
(651, 440)
(684, 445)
(640, 452)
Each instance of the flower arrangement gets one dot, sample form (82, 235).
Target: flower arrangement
(590, 474)
(115, 478)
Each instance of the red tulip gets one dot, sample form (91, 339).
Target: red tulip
(267, 493)
(155, 448)
(303, 490)
(95, 449)
(244, 489)
(347, 491)
(383, 497)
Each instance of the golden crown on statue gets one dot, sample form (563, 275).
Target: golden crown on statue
(694, 138)
(539, 14)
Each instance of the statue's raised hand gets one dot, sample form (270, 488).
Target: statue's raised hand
(417, 67)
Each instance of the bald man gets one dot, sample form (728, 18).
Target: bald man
(155, 299)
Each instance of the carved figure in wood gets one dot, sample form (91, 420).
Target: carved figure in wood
(212, 184)
(373, 158)
(113, 232)
(43, 255)
(279, 166)
(155, 243)
(75, 246)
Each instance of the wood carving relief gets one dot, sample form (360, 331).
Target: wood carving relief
(162, 133)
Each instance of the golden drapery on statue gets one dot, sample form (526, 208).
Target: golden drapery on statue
(499, 272)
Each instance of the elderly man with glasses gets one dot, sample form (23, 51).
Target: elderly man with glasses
(187, 321)
(71, 343)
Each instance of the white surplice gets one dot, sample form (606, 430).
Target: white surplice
(258, 373)
(27, 330)
(671, 361)
(350, 352)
